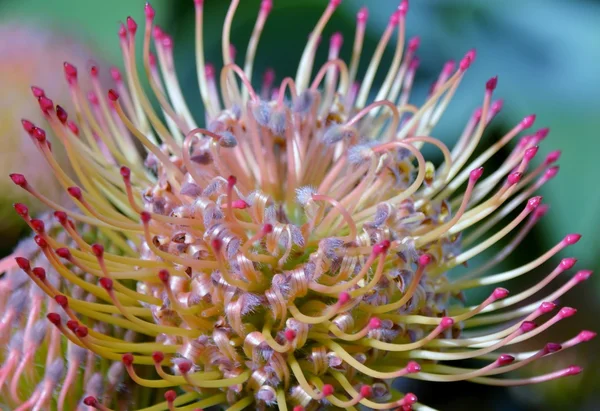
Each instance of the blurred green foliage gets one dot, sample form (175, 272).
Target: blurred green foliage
(546, 54)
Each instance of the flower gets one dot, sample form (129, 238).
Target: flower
(293, 253)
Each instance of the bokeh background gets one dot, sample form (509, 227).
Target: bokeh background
(545, 52)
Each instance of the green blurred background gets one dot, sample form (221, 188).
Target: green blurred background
(545, 52)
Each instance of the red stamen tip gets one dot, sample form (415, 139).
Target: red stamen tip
(73, 127)
(553, 157)
(298, 408)
(63, 253)
(40, 241)
(583, 275)
(37, 92)
(90, 401)
(216, 245)
(425, 260)
(115, 73)
(131, 25)
(542, 133)
(552, 348)
(231, 180)
(23, 263)
(146, 217)
(413, 367)
(122, 31)
(81, 331)
(72, 325)
(500, 293)
(106, 283)
(21, 209)
(289, 335)
(586, 335)
(343, 298)
(62, 300)
(528, 121)
(149, 11)
(362, 15)
(534, 202)
(39, 134)
(239, 204)
(40, 273)
(410, 399)
(62, 115)
(164, 275)
(366, 391)
(113, 95)
(374, 323)
(327, 390)
(61, 216)
(414, 43)
(476, 174)
(466, 61)
(125, 173)
(567, 263)
(127, 359)
(75, 192)
(93, 98)
(527, 326)
(184, 366)
(28, 126)
(98, 250)
(70, 72)
(54, 318)
(571, 239)
(158, 356)
(491, 84)
(94, 71)
(446, 322)
(170, 396)
(505, 359)
(18, 179)
(381, 247)
(38, 225)
(547, 307)
(574, 370)
(267, 228)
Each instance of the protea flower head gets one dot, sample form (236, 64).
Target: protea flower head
(292, 253)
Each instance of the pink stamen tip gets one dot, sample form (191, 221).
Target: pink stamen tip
(425, 260)
(413, 367)
(410, 399)
(573, 370)
(131, 25)
(21, 209)
(149, 11)
(449, 67)
(334, 3)
(583, 275)
(167, 41)
(40, 273)
(381, 247)
(184, 366)
(586, 335)
(527, 326)
(158, 357)
(164, 275)
(553, 157)
(157, 33)
(125, 172)
(414, 43)
(403, 7)
(61, 216)
(336, 40)
(366, 391)
(528, 121)
(127, 359)
(113, 95)
(446, 322)
(98, 250)
(81, 332)
(567, 263)
(63, 253)
(199, 2)
(267, 228)
(547, 307)
(551, 172)
(40, 241)
(571, 239)
(534, 202)
(566, 312)
(54, 318)
(23, 263)
(289, 335)
(414, 64)
(106, 283)
(90, 401)
(266, 6)
(466, 61)
(115, 73)
(38, 92)
(39, 134)
(170, 396)
(343, 298)
(552, 348)
(61, 114)
(70, 71)
(62, 300)
(122, 31)
(239, 204)
(476, 174)
(152, 59)
(28, 126)
(327, 390)
(269, 76)
(395, 17)
(542, 133)
(46, 104)
(209, 70)
(145, 217)
(500, 293)
(73, 127)
(75, 192)
(505, 359)
(477, 114)
(363, 15)
(497, 105)
(298, 408)
(531, 152)
(38, 225)
(514, 178)
(374, 323)
(72, 325)
(541, 211)
(491, 84)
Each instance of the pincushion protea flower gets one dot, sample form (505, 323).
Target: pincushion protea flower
(292, 254)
